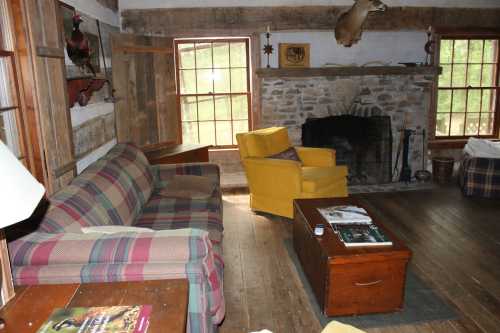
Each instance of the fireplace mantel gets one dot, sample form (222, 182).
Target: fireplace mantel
(347, 71)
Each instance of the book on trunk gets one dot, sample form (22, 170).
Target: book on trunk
(361, 235)
(106, 319)
(345, 214)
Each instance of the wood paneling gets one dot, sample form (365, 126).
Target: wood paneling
(50, 91)
(178, 21)
(144, 80)
(454, 240)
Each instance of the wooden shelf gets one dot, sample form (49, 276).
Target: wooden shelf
(347, 71)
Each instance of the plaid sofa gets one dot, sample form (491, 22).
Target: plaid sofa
(123, 189)
(480, 176)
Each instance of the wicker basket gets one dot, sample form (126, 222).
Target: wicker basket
(442, 169)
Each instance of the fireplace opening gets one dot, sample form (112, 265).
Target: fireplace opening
(364, 144)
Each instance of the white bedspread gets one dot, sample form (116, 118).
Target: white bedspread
(482, 148)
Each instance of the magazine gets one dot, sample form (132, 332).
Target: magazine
(107, 319)
(345, 214)
(361, 235)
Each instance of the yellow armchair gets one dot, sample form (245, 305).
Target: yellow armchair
(274, 183)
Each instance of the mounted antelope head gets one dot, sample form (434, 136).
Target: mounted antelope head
(350, 24)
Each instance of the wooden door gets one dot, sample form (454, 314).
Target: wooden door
(46, 48)
(144, 82)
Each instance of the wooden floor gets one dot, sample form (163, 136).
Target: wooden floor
(456, 249)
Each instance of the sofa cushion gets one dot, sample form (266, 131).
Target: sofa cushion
(159, 215)
(72, 208)
(112, 229)
(188, 187)
(121, 182)
(315, 178)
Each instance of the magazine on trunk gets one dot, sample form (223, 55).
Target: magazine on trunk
(345, 214)
(361, 235)
(106, 319)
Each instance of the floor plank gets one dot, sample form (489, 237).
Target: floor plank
(455, 245)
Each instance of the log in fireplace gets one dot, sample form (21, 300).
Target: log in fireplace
(364, 144)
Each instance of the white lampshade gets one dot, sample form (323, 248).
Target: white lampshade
(20, 192)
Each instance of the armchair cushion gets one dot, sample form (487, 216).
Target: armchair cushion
(267, 142)
(315, 179)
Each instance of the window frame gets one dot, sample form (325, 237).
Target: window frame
(476, 34)
(248, 93)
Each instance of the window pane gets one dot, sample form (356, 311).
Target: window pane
(489, 50)
(442, 124)
(474, 75)
(186, 56)
(445, 51)
(444, 101)
(460, 55)
(238, 54)
(6, 98)
(458, 75)
(474, 101)
(224, 134)
(486, 124)
(221, 55)
(488, 71)
(472, 124)
(240, 107)
(458, 104)
(222, 108)
(221, 81)
(457, 124)
(203, 55)
(204, 81)
(188, 82)
(190, 132)
(487, 105)
(207, 133)
(239, 126)
(188, 108)
(445, 77)
(476, 51)
(205, 108)
(238, 80)
(8, 132)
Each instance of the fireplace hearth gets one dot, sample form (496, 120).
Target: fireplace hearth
(364, 144)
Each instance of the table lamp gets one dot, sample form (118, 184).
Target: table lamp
(20, 194)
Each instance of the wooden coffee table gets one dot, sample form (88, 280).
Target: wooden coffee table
(348, 281)
(32, 305)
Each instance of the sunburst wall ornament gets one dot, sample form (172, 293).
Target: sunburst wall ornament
(268, 48)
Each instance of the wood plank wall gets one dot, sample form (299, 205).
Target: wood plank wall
(51, 100)
(144, 80)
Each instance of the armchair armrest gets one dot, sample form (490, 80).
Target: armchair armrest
(319, 157)
(42, 249)
(165, 172)
(273, 177)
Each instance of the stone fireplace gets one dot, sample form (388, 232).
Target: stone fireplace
(400, 94)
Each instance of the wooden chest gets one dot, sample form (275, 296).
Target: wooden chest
(348, 281)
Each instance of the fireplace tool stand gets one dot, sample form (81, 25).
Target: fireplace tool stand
(423, 175)
(405, 175)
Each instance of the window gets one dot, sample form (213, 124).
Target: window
(213, 90)
(9, 98)
(468, 87)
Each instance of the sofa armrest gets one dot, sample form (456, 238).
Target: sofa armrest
(41, 249)
(165, 172)
(273, 177)
(318, 157)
